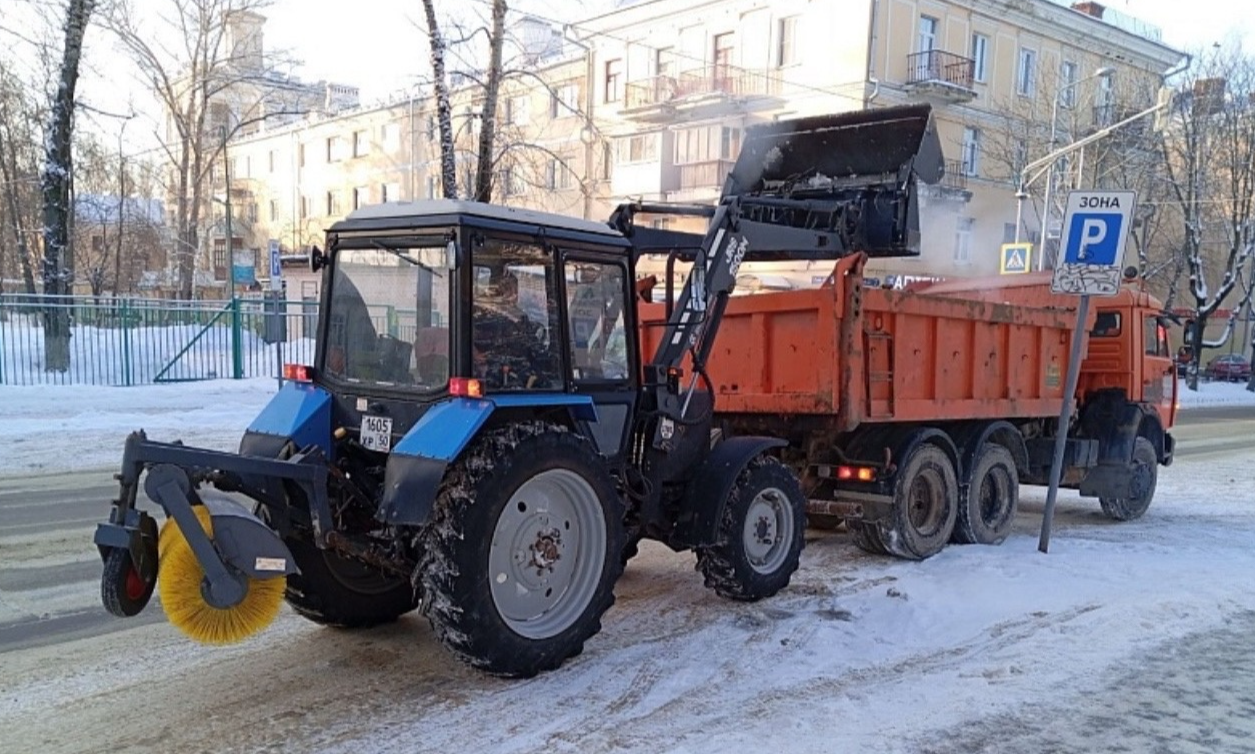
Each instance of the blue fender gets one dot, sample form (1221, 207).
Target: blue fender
(299, 412)
(418, 462)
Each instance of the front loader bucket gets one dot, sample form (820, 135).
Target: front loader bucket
(860, 147)
(854, 173)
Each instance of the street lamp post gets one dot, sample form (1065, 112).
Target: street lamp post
(226, 174)
(1050, 174)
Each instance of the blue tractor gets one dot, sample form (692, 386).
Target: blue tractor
(479, 434)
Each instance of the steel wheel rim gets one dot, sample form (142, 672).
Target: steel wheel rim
(547, 554)
(925, 503)
(767, 531)
(995, 497)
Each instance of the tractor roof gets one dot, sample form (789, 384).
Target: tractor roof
(451, 211)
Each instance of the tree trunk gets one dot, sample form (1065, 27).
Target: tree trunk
(1196, 344)
(488, 127)
(16, 212)
(117, 256)
(444, 111)
(58, 168)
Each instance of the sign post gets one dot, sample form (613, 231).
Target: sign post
(277, 315)
(1095, 228)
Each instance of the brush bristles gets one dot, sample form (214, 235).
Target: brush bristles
(179, 577)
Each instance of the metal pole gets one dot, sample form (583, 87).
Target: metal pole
(226, 171)
(1065, 417)
(1019, 208)
(1050, 182)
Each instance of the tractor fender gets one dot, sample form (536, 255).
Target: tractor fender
(708, 490)
(244, 541)
(418, 461)
(299, 412)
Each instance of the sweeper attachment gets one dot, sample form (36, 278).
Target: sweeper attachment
(480, 430)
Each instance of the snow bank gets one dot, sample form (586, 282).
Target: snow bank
(1215, 394)
(72, 427)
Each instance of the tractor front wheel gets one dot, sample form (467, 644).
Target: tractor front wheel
(336, 591)
(519, 562)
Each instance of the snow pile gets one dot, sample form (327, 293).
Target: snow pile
(1215, 394)
(72, 427)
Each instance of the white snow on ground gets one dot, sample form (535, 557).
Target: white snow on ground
(70, 427)
(1215, 394)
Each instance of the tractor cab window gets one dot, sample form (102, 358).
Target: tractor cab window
(595, 309)
(515, 326)
(388, 318)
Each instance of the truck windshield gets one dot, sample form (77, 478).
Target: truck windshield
(388, 318)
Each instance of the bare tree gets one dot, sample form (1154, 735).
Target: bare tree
(56, 186)
(1209, 151)
(214, 85)
(444, 109)
(20, 118)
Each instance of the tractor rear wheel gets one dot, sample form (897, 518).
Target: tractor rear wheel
(760, 535)
(519, 562)
(1145, 469)
(337, 591)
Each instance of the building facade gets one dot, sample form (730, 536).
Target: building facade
(650, 102)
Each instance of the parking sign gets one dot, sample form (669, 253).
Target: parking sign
(276, 269)
(1095, 229)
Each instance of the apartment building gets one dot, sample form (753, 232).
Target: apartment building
(650, 101)
(677, 84)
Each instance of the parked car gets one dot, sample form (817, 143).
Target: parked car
(1231, 367)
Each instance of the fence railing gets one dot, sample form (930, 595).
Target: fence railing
(132, 341)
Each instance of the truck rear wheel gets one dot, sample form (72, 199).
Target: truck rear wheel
(925, 503)
(866, 536)
(337, 591)
(760, 535)
(988, 509)
(1145, 468)
(520, 560)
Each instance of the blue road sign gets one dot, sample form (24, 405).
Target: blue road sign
(1095, 230)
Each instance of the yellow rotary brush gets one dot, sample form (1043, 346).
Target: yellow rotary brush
(179, 577)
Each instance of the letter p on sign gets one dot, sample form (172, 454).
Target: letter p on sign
(1093, 231)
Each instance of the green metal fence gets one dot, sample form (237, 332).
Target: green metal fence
(135, 341)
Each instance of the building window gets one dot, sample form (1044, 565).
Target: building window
(300, 154)
(518, 110)
(251, 212)
(725, 51)
(607, 160)
(509, 181)
(558, 176)
(786, 42)
(361, 197)
(390, 136)
(1026, 73)
(361, 143)
(963, 241)
(640, 148)
(305, 207)
(432, 129)
(274, 210)
(614, 80)
(1067, 84)
(335, 149)
(927, 33)
(980, 57)
(390, 192)
(220, 257)
(1104, 101)
(271, 158)
(564, 101)
(333, 203)
(431, 187)
(664, 63)
(971, 150)
(707, 143)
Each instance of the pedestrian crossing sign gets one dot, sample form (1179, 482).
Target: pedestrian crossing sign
(1016, 258)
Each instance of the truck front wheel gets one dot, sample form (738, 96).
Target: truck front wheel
(759, 540)
(1145, 470)
(520, 560)
(925, 503)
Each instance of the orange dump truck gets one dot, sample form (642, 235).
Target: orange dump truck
(914, 415)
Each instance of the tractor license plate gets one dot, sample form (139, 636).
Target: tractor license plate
(376, 433)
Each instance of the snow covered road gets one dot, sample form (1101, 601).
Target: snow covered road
(978, 649)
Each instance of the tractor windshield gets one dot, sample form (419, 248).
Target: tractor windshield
(388, 318)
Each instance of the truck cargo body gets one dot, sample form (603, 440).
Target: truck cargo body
(857, 379)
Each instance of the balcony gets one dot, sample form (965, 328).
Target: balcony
(952, 186)
(660, 98)
(704, 175)
(939, 75)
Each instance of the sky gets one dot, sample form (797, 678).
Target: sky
(380, 45)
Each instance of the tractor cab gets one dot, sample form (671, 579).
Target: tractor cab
(428, 300)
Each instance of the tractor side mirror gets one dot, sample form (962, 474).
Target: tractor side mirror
(317, 259)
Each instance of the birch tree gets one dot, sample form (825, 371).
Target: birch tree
(55, 186)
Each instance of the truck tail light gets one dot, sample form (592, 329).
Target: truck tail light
(859, 473)
(298, 373)
(465, 387)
